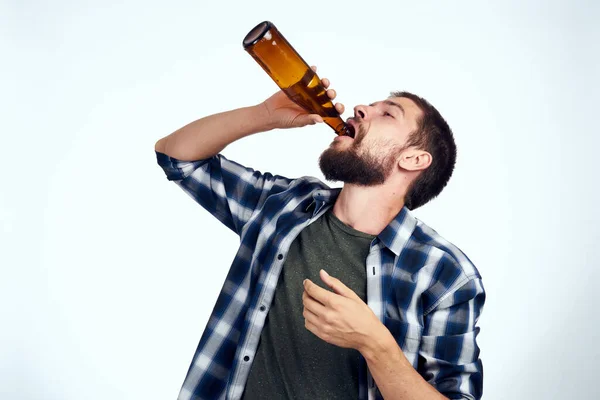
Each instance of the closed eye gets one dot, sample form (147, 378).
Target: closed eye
(387, 114)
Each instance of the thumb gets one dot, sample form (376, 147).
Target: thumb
(337, 285)
(309, 119)
(316, 118)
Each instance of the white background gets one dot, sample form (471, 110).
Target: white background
(109, 271)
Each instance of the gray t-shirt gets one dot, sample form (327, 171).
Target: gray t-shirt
(291, 362)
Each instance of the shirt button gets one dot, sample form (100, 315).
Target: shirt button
(263, 308)
(246, 358)
(280, 257)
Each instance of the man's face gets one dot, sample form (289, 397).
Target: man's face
(382, 130)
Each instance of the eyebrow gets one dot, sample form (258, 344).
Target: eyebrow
(390, 103)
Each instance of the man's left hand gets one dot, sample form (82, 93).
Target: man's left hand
(340, 317)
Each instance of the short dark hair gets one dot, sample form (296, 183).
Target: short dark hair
(434, 136)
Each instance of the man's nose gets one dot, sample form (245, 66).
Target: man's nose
(361, 112)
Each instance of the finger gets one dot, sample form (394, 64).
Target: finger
(312, 305)
(314, 68)
(325, 82)
(310, 316)
(311, 327)
(340, 108)
(315, 119)
(337, 285)
(318, 293)
(310, 119)
(318, 332)
(331, 94)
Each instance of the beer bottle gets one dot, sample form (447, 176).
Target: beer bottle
(292, 74)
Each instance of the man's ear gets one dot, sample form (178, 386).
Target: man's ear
(414, 160)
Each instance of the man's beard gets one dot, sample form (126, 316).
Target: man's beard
(349, 165)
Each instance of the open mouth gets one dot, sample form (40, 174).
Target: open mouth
(350, 129)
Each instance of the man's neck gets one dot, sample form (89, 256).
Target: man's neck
(368, 209)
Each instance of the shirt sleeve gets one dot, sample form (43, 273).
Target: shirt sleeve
(449, 354)
(226, 189)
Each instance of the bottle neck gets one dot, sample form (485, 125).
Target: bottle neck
(344, 129)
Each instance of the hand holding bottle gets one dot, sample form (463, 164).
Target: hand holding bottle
(284, 113)
(304, 99)
(295, 78)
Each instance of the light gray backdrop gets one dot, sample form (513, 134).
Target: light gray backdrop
(109, 272)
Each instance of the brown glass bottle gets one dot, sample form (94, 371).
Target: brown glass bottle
(292, 74)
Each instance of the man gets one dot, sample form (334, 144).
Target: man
(334, 293)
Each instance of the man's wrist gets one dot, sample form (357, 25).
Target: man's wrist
(264, 116)
(379, 342)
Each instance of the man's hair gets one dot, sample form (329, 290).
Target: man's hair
(434, 136)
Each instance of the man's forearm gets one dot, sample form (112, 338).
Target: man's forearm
(208, 136)
(394, 375)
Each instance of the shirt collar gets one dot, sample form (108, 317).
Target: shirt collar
(394, 236)
(399, 231)
(327, 196)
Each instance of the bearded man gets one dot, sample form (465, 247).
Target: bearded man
(334, 293)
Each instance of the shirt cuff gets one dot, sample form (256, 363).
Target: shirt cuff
(175, 169)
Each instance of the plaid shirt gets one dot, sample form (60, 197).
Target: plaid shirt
(420, 286)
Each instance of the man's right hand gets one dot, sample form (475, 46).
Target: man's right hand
(208, 136)
(283, 113)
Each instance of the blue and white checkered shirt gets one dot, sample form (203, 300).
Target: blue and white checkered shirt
(421, 287)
